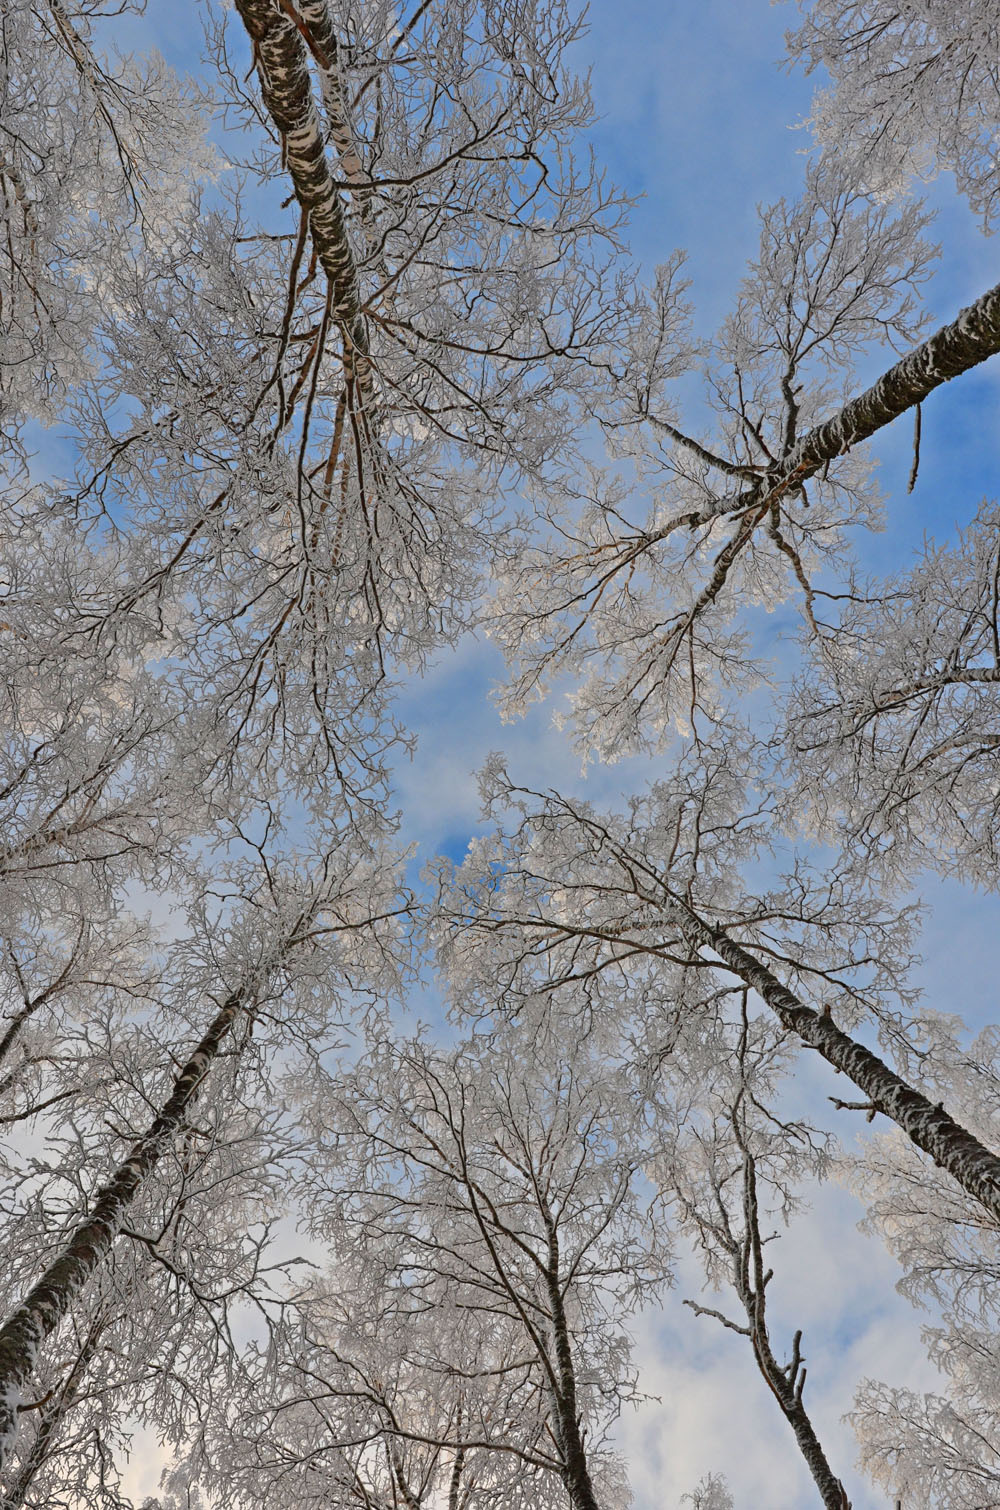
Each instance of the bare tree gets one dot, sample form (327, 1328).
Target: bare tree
(582, 896)
(639, 590)
(273, 510)
(501, 1193)
(300, 387)
(732, 1166)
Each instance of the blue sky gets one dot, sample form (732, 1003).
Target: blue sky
(697, 117)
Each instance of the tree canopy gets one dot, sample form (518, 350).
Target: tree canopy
(352, 1183)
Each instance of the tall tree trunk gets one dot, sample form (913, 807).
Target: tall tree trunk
(972, 337)
(575, 1472)
(42, 1309)
(967, 341)
(929, 1126)
(282, 58)
(52, 1418)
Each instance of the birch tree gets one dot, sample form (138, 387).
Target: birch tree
(300, 375)
(290, 426)
(642, 589)
(261, 966)
(939, 1447)
(486, 1235)
(509, 1189)
(582, 895)
(641, 592)
(733, 1171)
(640, 917)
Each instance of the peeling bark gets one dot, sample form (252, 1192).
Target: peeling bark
(322, 37)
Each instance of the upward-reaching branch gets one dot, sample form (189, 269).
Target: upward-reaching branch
(966, 342)
(971, 338)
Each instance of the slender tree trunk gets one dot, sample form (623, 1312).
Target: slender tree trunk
(53, 1416)
(282, 59)
(970, 339)
(42, 1309)
(831, 1490)
(575, 1473)
(455, 1481)
(929, 1126)
(785, 1384)
(457, 1468)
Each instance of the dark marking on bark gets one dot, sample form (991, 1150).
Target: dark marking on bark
(42, 1309)
(951, 1146)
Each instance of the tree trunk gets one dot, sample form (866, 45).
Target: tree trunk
(970, 339)
(282, 60)
(575, 1471)
(951, 1146)
(42, 1309)
(831, 1490)
(53, 1416)
(785, 1384)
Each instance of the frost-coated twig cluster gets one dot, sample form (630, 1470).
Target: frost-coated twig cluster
(342, 353)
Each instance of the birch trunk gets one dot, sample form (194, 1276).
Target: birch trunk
(929, 1126)
(969, 340)
(576, 1473)
(282, 59)
(38, 1315)
(53, 1417)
